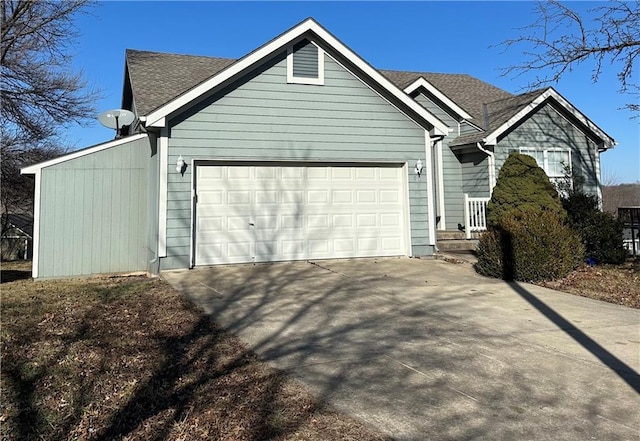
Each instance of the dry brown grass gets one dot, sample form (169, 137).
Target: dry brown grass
(618, 284)
(128, 358)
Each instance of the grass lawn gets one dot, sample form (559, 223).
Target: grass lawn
(128, 358)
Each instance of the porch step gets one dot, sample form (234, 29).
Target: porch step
(455, 235)
(457, 245)
(458, 256)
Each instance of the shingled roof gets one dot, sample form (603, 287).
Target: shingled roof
(157, 78)
(498, 113)
(466, 91)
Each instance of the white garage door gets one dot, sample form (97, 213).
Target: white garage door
(274, 213)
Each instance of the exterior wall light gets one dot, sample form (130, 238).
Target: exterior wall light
(419, 167)
(180, 165)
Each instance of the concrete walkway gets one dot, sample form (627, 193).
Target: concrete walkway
(427, 349)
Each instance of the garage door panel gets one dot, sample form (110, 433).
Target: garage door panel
(315, 221)
(257, 214)
(239, 249)
(266, 248)
(265, 222)
(238, 173)
(389, 196)
(365, 174)
(315, 197)
(389, 173)
(366, 196)
(390, 220)
(366, 220)
(344, 246)
(238, 223)
(211, 224)
(343, 221)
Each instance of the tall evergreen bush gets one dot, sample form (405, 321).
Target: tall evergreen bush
(521, 184)
(528, 237)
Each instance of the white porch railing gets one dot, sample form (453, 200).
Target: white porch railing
(475, 214)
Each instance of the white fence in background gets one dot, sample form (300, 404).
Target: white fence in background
(475, 214)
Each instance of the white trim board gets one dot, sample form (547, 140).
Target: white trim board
(35, 258)
(157, 118)
(422, 82)
(163, 151)
(430, 194)
(32, 169)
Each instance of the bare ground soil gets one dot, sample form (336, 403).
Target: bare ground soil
(618, 284)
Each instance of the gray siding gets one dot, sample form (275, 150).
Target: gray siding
(452, 173)
(264, 118)
(305, 60)
(547, 128)
(475, 174)
(93, 213)
(466, 128)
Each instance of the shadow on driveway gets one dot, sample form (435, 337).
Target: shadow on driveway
(428, 349)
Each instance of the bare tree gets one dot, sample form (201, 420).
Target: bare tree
(39, 93)
(560, 39)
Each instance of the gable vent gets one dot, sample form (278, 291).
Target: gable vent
(305, 63)
(305, 60)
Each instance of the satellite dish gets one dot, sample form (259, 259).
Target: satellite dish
(116, 119)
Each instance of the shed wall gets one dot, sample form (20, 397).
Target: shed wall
(93, 212)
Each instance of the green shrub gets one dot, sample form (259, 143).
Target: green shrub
(521, 184)
(600, 232)
(530, 244)
(490, 254)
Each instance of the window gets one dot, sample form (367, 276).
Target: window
(554, 162)
(305, 63)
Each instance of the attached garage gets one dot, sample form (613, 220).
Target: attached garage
(299, 150)
(293, 211)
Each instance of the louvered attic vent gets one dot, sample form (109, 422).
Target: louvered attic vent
(305, 63)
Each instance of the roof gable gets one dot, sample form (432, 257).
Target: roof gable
(307, 29)
(422, 83)
(511, 112)
(503, 114)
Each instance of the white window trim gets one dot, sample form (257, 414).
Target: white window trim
(545, 154)
(305, 80)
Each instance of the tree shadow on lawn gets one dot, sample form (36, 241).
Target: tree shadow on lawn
(136, 360)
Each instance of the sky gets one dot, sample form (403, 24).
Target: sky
(426, 36)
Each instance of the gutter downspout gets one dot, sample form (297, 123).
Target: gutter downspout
(492, 166)
(433, 196)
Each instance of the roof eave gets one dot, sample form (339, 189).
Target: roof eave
(35, 168)
(157, 117)
(422, 82)
(492, 138)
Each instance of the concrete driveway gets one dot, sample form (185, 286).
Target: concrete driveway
(425, 349)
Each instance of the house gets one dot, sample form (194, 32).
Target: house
(16, 242)
(298, 150)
